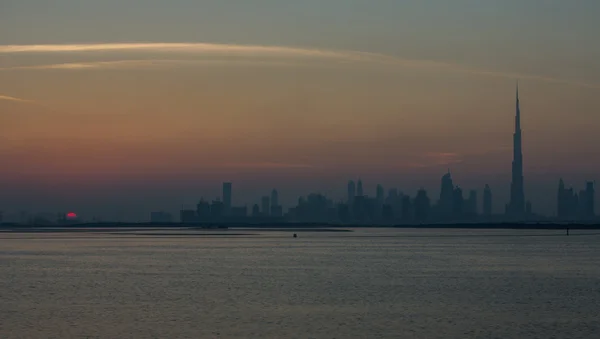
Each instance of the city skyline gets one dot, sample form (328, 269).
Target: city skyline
(516, 208)
(299, 168)
(510, 210)
(117, 105)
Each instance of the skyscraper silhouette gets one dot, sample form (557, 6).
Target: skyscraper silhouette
(351, 191)
(359, 188)
(421, 205)
(274, 198)
(446, 201)
(265, 206)
(573, 206)
(590, 201)
(487, 201)
(227, 197)
(561, 206)
(255, 211)
(380, 195)
(516, 207)
(276, 209)
(472, 209)
(203, 210)
(458, 203)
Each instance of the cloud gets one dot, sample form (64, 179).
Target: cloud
(203, 48)
(252, 51)
(9, 98)
(267, 165)
(147, 64)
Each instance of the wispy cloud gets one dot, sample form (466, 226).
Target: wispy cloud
(149, 63)
(253, 51)
(9, 98)
(205, 48)
(267, 165)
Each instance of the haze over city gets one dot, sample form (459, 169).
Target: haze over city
(115, 109)
(299, 168)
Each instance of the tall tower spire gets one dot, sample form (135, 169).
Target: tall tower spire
(517, 195)
(518, 116)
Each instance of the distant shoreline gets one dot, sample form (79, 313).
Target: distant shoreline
(296, 227)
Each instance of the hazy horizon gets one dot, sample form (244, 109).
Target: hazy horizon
(143, 106)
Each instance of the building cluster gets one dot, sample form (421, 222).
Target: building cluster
(222, 210)
(396, 207)
(453, 205)
(573, 206)
(357, 208)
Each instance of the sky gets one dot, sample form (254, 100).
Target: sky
(117, 108)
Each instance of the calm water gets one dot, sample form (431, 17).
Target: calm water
(364, 284)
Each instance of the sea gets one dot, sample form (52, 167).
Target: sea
(258, 283)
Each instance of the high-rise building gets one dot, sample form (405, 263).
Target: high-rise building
(458, 203)
(351, 192)
(276, 209)
(572, 203)
(571, 206)
(516, 207)
(392, 196)
(387, 213)
(394, 199)
(274, 198)
(590, 200)
(343, 212)
(380, 195)
(445, 204)
(487, 201)
(255, 211)
(582, 200)
(217, 209)
(359, 188)
(472, 203)
(422, 205)
(203, 210)
(407, 210)
(265, 206)
(359, 208)
(568, 207)
(561, 206)
(227, 197)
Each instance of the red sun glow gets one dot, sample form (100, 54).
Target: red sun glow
(71, 215)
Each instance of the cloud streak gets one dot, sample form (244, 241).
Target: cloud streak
(268, 165)
(203, 48)
(248, 51)
(148, 64)
(9, 98)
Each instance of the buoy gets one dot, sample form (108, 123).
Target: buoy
(295, 235)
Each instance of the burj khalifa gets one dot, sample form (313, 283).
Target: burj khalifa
(516, 207)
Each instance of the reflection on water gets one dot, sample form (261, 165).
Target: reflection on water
(367, 283)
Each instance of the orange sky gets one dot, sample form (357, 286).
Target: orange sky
(114, 113)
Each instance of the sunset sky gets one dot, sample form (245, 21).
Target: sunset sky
(119, 107)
